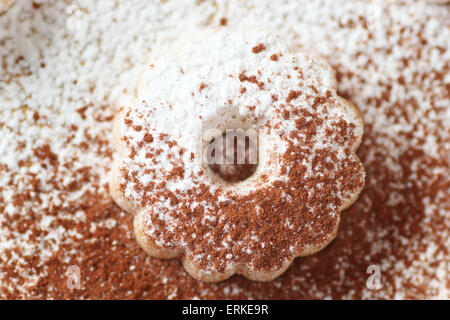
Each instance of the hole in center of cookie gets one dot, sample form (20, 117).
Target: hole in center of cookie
(233, 156)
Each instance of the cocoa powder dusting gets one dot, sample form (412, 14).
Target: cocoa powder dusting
(260, 47)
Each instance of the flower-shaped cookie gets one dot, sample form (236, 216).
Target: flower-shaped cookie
(306, 172)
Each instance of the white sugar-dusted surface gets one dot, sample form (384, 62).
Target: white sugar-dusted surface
(103, 44)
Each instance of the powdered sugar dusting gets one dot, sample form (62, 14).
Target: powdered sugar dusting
(391, 60)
